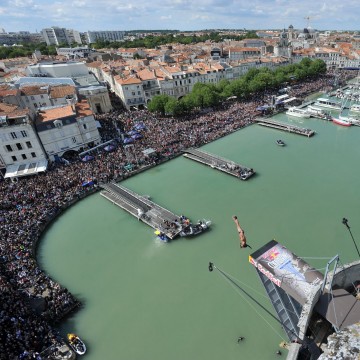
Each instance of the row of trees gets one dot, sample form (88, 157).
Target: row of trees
(151, 41)
(254, 81)
(9, 52)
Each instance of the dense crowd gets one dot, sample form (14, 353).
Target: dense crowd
(31, 302)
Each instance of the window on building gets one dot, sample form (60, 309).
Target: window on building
(84, 126)
(133, 93)
(19, 146)
(9, 148)
(33, 154)
(35, 105)
(74, 139)
(28, 144)
(24, 133)
(14, 158)
(23, 156)
(139, 93)
(32, 98)
(13, 135)
(42, 96)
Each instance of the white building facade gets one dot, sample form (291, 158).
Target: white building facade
(19, 143)
(93, 36)
(67, 128)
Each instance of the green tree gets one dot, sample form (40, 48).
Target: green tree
(158, 103)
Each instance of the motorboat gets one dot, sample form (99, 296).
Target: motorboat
(195, 229)
(328, 103)
(340, 120)
(76, 344)
(318, 113)
(161, 236)
(355, 108)
(244, 173)
(280, 142)
(294, 111)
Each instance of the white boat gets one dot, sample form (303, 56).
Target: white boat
(294, 111)
(318, 113)
(355, 108)
(341, 120)
(76, 344)
(328, 103)
(280, 142)
(195, 229)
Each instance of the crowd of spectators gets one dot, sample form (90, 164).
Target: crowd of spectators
(31, 302)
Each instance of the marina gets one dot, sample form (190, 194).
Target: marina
(285, 127)
(167, 224)
(219, 163)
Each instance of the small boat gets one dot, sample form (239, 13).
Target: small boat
(280, 142)
(330, 104)
(355, 108)
(318, 113)
(341, 121)
(294, 111)
(195, 229)
(161, 236)
(245, 173)
(76, 344)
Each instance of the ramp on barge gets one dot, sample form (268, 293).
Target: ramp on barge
(285, 127)
(144, 209)
(219, 163)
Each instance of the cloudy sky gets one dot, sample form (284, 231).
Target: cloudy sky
(83, 15)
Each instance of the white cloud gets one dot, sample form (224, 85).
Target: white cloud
(184, 14)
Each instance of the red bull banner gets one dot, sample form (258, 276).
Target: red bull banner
(286, 270)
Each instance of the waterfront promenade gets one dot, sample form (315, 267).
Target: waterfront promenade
(29, 204)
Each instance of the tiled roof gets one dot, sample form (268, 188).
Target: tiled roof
(9, 92)
(33, 90)
(146, 74)
(128, 81)
(83, 109)
(12, 110)
(94, 64)
(55, 113)
(61, 91)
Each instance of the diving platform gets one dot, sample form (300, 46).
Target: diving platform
(166, 223)
(219, 163)
(285, 127)
(304, 299)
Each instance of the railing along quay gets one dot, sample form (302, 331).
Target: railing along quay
(219, 163)
(285, 127)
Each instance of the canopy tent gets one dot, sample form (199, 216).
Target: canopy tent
(139, 126)
(87, 183)
(87, 158)
(109, 148)
(137, 136)
(13, 171)
(149, 151)
(262, 108)
(128, 140)
(132, 132)
(289, 100)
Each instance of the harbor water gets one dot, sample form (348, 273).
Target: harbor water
(144, 299)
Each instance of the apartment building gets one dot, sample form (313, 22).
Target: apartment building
(21, 152)
(56, 36)
(93, 36)
(67, 128)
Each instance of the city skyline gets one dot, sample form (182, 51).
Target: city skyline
(83, 15)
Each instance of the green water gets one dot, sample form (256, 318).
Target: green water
(149, 300)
